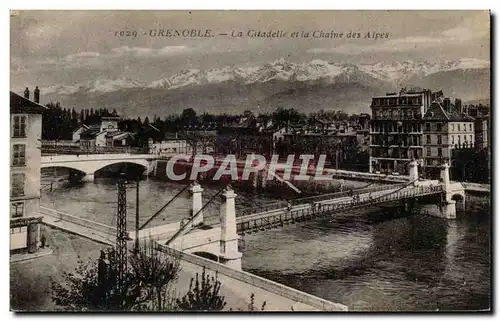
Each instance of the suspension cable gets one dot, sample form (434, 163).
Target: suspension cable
(183, 227)
(164, 206)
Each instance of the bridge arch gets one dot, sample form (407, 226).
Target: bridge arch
(459, 198)
(142, 165)
(70, 168)
(89, 164)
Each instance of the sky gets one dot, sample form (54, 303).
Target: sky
(68, 47)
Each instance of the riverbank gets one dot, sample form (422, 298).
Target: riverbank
(30, 280)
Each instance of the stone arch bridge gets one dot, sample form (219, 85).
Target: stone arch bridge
(89, 164)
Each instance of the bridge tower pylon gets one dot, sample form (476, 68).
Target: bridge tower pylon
(413, 171)
(197, 202)
(229, 253)
(448, 205)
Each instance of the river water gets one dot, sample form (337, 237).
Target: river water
(369, 260)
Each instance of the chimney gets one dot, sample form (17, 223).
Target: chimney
(458, 105)
(447, 105)
(27, 93)
(36, 95)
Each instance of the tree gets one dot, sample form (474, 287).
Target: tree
(156, 271)
(203, 296)
(282, 117)
(94, 287)
(188, 117)
(247, 113)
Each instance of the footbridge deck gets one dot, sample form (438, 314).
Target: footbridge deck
(323, 206)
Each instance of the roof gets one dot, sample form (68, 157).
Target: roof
(401, 95)
(113, 134)
(122, 135)
(81, 126)
(21, 105)
(437, 112)
(154, 128)
(323, 121)
(91, 133)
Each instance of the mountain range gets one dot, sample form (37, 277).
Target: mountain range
(306, 87)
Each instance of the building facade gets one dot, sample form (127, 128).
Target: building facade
(396, 130)
(169, 146)
(25, 153)
(445, 129)
(482, 131)
(104, 135)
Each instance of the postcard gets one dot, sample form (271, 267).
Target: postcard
(175, 161)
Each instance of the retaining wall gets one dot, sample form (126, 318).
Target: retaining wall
(257, 281)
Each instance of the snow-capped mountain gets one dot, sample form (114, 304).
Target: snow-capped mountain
(100, 85)
(392, 73)
(306, 86)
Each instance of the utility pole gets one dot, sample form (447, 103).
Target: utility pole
(121, 233)
(137, 215)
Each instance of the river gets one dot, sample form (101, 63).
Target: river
(369, 261)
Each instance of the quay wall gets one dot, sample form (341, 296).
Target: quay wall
(302, 301)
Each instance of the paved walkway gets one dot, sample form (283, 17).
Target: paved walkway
(237, 294)
(101, 237)
(30, 256)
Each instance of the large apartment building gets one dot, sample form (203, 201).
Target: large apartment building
(396, 129)
(446, 128)
(25, 143)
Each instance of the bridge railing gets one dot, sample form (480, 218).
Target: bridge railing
(261, 208)
(51, 150)
(314, 199)
(297, 213)
(103, 228)
(324, 197)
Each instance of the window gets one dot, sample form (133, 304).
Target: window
(470, 137)
(15, 230)
(452, 127)
(428, 139)
(458, 125)
(440, 140)
(452, 140)
(17, 184)
(428, 151)
(438, 127)
(19, 156)
(465, 138)
(16, 209)
(440, 152)
(428, 127)
(19, 126)
(470, 127)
